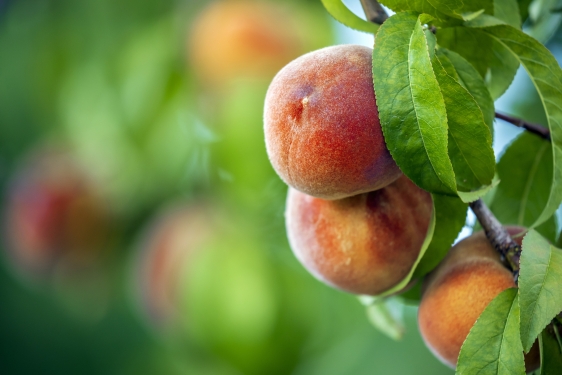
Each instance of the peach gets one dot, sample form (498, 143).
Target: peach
(242, 38)
(54, 215)
(167, 243)
(322, 129)
(458, 290)
(364, 244)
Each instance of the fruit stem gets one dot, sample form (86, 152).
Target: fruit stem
(498, 236)
(537, 129)
(374, 12)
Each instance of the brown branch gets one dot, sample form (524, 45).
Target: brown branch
(533, 128)
(498, 236)
(374, 12)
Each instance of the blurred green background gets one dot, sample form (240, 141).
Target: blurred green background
(142, 224)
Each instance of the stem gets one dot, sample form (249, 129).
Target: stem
(533, 128)
(498, 236)
(374, 11)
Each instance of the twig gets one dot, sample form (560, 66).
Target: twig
(533, 128)
(498, 236)
(374, 11)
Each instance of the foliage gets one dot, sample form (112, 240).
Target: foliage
(437, 67)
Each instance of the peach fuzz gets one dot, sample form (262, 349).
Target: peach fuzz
(458, 290)
(321, 123)
(365, 244)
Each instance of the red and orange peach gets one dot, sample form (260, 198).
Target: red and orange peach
(322, 129)
(365, 244)
(458, 290)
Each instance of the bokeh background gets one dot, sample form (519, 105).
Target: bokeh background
(142, 224)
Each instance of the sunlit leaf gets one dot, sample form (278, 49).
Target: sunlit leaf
(411, 107)
(493, 61)
(470, 141)
(493, 345)
(540, 296)
(473, 82)
(546, 75)
(341, 13)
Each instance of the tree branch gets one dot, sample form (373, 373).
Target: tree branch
(498, 236)
(374, 11)
(533, 128)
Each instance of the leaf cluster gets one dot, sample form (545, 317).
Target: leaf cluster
(438, 66)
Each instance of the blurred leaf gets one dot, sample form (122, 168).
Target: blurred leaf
(544, 21)
(411, 108)
(341, 13)
(551, 353)
(387, 316)
(524, 9)
(493, 345)
(525, 171)
(450, 217)
(539, 286)
(470, 140)
(468, 77)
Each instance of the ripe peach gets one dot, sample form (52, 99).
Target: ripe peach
(458, 290)
(242, 38)
(322, 129)
(364, 244)
(54, 215)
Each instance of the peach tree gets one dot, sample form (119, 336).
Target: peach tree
(436, 66)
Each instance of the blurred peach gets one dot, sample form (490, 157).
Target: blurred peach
(172, 236)
(54, 214)
(243, 38)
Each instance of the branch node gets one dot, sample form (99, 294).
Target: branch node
(374, 12)
(498, 236)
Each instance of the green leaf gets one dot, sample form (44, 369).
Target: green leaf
(525, 171)
(471, 196)
(493, 345)
(540, 297)
(508, 11)
(450, 217)
(468, 77)
(470, 141)
(420, 6)
(447, 64)
(411, 108)
(524, 9)
(342, 14)
(546, 75)
(412, 296)
(551, 353)
(387, 316)
(493, 61)
(458, 7)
